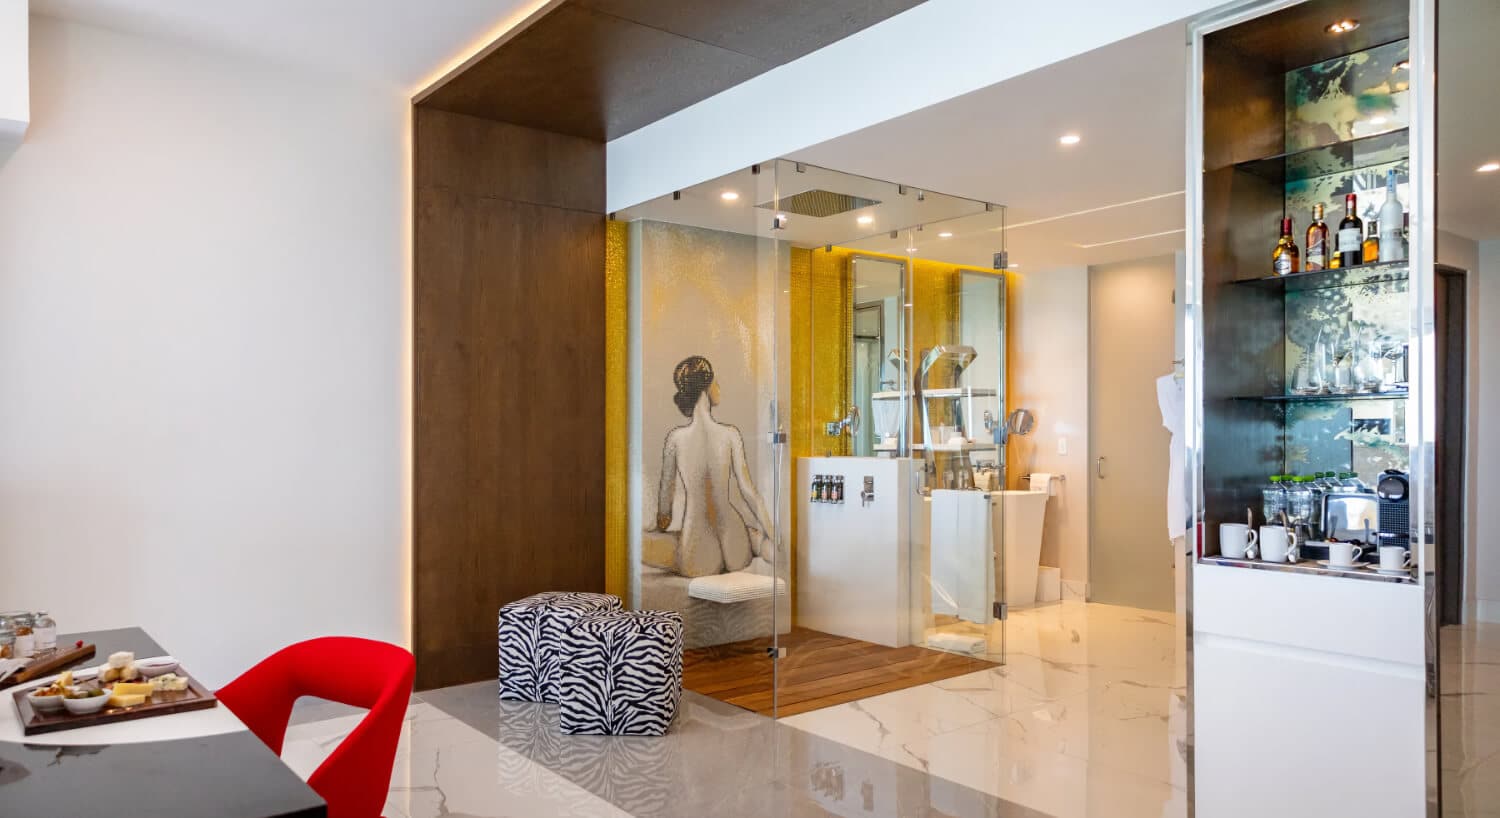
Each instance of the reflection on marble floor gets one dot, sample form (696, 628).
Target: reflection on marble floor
(1470, 673)
(464, 752)
(1087, 718)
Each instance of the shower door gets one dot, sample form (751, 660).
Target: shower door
(707, 278)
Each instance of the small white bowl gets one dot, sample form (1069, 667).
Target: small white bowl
(45, 704)
(152, 669)
(84, 707)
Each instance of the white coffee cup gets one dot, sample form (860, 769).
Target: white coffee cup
(1277, 544)
(1394, 558)
(1237, 541)
(1343, 553)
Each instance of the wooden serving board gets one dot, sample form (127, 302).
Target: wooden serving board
(46, 663)
(196, 697)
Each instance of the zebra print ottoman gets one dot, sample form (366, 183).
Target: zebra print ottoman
(531, 632)
(622, 675)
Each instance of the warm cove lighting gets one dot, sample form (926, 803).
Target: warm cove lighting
(866, 220)
(729, 195)
(1069, 139)
(1488, 167)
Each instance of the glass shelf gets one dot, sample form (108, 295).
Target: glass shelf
(1381, 272)
(1341, 157)
(1395, 394)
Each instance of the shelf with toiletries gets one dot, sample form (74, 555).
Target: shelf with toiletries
(959, 392)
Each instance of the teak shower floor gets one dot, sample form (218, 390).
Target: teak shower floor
(820, 670)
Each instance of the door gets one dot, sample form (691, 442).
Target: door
(1130, 346)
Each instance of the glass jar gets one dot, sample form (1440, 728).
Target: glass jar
(7, 642)
(21, 622)
(45, 630)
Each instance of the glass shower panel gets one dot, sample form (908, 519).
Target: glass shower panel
(709, 278)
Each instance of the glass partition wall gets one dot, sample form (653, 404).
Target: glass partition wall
(817, 445)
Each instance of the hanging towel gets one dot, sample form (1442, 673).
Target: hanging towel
(963, 555)
(1169, 398)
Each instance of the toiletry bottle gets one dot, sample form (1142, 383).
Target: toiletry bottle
(817, 488)
(838, 489)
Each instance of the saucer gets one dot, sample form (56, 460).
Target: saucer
(1355, 566)
(1390, 571)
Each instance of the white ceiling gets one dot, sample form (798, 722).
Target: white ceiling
(1000, 144)
(400, 43)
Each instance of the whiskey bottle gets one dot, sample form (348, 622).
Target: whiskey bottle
(1284, 257)
(1317, 242)
(1350, 250)
(1370, 250)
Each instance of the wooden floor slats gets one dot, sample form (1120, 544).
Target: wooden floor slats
(819, 670)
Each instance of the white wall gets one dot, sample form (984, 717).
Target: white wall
(1049, 349)
(15, 89)
(1484, 446)
(202, 289)
(930, 53)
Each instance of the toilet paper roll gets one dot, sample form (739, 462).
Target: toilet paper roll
(1044, 481)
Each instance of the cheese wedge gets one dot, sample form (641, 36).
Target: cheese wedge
(170, 683)
(65, 679)
(132, 689)
(121, 659)
(119, 700)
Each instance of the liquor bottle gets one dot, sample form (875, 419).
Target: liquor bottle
(1285, 255)
(1351, 236)
(1317, 242)
(1392, 218)
(1370, 250)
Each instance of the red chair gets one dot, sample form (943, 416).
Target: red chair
(355, 779)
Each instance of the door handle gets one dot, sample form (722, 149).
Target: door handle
(1099, 467)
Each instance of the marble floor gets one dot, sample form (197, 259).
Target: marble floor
(1470, 718)
(1088, 717)
(1086, 720)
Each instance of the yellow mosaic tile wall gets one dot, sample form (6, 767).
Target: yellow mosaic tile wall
(616, 410)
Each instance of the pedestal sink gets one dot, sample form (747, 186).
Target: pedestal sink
(1018, 517)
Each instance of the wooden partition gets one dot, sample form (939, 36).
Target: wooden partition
(509, 375)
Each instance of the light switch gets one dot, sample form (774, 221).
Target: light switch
(1062, 445)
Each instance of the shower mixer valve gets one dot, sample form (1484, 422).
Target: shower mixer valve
(867, 496)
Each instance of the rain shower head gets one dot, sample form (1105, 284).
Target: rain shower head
(818, 203)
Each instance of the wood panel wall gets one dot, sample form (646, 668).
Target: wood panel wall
(509, 322)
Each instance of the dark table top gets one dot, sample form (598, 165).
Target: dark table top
(232, 775)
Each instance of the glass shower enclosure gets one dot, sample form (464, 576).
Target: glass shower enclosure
(790, 493)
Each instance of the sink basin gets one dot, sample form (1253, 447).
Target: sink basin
(1018, 519)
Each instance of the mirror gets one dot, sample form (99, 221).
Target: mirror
(1020, 422)
(878, 390)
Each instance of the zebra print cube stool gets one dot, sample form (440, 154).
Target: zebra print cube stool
(531, 634)
(622, 675)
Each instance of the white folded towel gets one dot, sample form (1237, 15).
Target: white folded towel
(736, 586)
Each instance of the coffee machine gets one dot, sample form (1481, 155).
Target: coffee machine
(1394, 493)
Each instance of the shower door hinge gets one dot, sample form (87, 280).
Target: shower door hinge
(777, 437)
(777, 652)
(1002, 611)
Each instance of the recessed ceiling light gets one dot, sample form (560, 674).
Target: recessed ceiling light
(945, 235)
(1070, 139)
(729, 195)
(866, 219)
(1342, 26)
(1489, 167)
